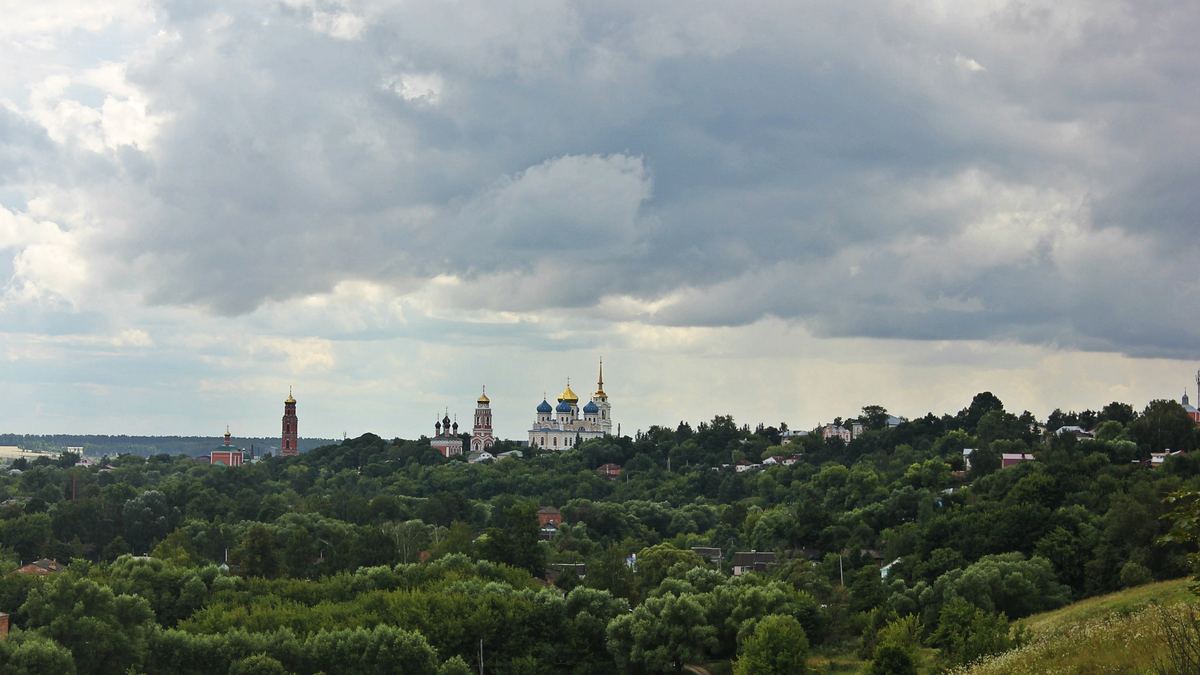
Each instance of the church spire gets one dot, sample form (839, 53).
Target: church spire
(600, 384)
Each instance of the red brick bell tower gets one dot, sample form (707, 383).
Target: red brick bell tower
(481, 437)
(291, 434)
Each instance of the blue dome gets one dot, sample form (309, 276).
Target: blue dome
(564, 407)
(591, 408)
(544, 407)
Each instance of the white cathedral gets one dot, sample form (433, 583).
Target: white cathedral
(561, 427)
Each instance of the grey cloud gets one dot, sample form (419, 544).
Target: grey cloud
(740, 162)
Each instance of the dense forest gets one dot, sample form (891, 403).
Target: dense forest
(378, 556)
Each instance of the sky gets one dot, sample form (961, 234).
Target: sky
(779, 211)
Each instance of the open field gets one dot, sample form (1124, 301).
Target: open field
(11, 452)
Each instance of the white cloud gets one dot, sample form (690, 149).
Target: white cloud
(412, 87)
(341, 25)
(33, 22)
(48, 267)
(967, 64)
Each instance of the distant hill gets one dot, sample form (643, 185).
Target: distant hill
(98, 445)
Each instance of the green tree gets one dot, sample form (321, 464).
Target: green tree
(299, 552)
(178, 549)
(115, 549)
(1133, 574)
(106, 633)
(589, 612)
(655, 563)
(875, 417)
(1164, 425)
(1067, 553)
(32, 654)
(662, 634)
(455, 539)
(611, 573)
(518, 543)
(1118, 412)
(981, 404)
(966, 633)
(256, 557)
(892, 659)
(898, 648)
(27, 534)
(1005, 583)
(867, 590)
(371, 652)
(778, 646)
(997, 424)
(147, 518)
(1185, 528)
(258, 664)
(455, 666)
(568, 580)
(409, 536)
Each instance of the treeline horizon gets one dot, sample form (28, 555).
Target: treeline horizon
(99, 445)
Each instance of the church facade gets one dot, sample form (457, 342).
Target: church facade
(445, 437)
(563, 426)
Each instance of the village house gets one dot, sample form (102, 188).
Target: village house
(752, 561)
(711, 553)
(548, 515)
(834, 431)
(43, 567)
(1014, 458)
(610, 471)
(480, 456)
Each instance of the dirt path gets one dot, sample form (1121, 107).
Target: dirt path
(696, 669)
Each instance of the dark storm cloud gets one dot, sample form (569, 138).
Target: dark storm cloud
(1026, 172)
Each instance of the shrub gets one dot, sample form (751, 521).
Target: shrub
(1133, 574)
(778, 646)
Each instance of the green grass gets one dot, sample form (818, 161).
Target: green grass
(1117, 634)
(1112, 634)
(1120, 603)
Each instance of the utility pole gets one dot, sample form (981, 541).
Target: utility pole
(841, 571)
(480, 656)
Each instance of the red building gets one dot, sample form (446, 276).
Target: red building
(42, 567)
(1192, 412)
(226, 454)
(1008, 459)
(227, 457)
(288, 446)
(481, 438)
(548, 515)
(609, 471)
(445, 437)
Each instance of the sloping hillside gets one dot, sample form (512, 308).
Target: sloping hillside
(1117, 633)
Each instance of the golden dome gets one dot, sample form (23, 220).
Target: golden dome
(289, 398)
(483, 397)
(568, 395)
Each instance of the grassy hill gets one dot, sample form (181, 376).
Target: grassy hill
(1117, 633)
